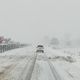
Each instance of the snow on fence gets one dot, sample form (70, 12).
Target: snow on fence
(6, 47)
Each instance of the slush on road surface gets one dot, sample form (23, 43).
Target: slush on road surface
(26, 64)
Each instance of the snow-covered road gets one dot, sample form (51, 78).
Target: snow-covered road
(25, 64)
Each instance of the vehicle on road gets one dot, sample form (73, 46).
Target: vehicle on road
(40, 48)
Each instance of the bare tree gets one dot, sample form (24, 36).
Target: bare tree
(55, 41)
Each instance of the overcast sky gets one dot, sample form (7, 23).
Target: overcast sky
(31, 20)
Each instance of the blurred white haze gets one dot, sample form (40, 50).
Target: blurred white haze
(32, 20)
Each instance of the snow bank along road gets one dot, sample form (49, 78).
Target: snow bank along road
(25, 64)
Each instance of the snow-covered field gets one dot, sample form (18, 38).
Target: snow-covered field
(21, 64)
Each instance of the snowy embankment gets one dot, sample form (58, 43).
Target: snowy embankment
(66, 62)
(12, 63)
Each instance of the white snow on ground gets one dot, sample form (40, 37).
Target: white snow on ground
(15, 64)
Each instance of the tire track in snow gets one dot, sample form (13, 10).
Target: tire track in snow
(28, 70)
(54, 72)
